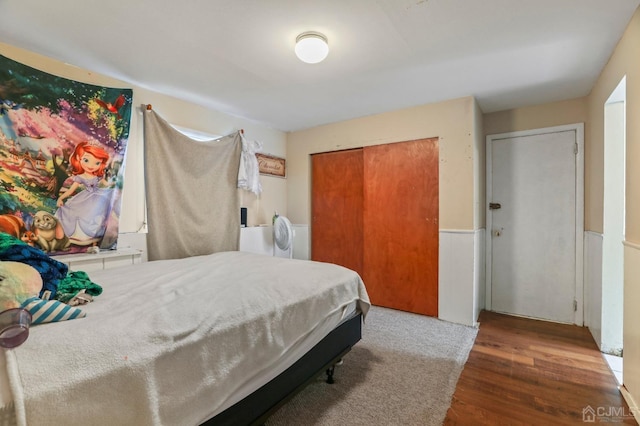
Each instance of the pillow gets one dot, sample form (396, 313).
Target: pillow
(43, 311)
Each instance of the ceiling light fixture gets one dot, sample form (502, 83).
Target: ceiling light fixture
(311, 47)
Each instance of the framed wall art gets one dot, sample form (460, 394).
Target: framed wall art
(271, 165)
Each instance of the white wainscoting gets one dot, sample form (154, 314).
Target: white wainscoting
(136, 241)
(259, 239)
(631, 358)
(593, 285)
(301, 241)
(461, 276)
(480, 276)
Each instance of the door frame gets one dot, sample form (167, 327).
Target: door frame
(579, 210)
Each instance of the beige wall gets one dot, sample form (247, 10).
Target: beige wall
(624, 61)
(535, 117)
(452, 121)
(479, 170)
(631, 331)
(181, 113)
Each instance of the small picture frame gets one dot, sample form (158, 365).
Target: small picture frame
(271, 165)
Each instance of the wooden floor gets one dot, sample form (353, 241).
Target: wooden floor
(525, 372)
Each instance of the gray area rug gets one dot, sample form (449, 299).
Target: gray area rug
(403, 372)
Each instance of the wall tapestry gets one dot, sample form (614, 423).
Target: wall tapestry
(62, 151)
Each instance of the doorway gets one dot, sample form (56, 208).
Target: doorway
(612, 301)
(535, 223)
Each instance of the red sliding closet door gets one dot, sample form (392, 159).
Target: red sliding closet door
(336, 208)
(375, 210)
(401, 225)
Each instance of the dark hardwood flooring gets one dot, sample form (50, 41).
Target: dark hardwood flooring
(526, 372)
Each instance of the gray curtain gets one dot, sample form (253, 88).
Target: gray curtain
(193, 206)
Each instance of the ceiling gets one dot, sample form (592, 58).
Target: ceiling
(236, 56)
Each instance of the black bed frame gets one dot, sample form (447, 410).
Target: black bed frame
(258, 406)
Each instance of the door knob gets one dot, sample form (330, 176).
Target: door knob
(494, 206)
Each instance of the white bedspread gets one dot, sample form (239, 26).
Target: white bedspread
(168, 342)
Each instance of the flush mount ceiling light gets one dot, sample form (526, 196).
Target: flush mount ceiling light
(311, 47)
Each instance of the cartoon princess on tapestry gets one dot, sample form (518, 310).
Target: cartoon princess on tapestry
(62, 150)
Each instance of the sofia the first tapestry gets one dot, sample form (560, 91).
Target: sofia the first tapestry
(62, 150)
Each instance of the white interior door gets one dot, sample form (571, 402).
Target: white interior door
(534, 220)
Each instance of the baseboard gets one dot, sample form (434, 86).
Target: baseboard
(633, 406)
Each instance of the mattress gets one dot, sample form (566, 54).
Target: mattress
(333, 320)
(176, 342)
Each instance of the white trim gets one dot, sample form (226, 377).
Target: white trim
(596, 234)
(579, 315)
(634, 408)
(579, 220)
(460, 231)
(489, 227)
(631, 245)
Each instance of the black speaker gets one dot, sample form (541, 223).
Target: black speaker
(243, 217)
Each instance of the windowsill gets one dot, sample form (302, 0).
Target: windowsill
(104, 254)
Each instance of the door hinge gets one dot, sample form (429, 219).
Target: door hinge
(575, 306)
(575, 148)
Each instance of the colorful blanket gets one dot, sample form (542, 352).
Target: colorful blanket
(56, 278)
(52, 271)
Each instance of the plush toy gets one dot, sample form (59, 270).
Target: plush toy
(20, 285)
(18, 282)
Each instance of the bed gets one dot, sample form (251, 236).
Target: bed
(217, 339)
